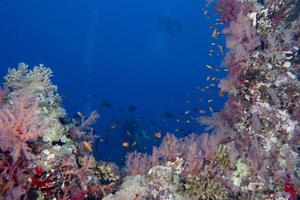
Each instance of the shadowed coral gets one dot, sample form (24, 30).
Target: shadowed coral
(137, 163)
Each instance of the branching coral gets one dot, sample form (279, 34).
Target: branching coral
(37, 79)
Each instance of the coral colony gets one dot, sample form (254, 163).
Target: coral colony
(252, 151)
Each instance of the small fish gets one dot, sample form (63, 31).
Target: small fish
(80, 114)
(176, 99)
(87, 145)
(152, 122)
(216, 69)
(212, 85)
(208, 77)
(225, 70)
(221, 49)
(105, 103)
(215, 33)
(209, 67)
(132, 108)
(101, 140)
(205, 12)
(210, 100)
(114, 125)
(211, 109)
(202, 100)
(168, 115)
(188, 121)
(145, 135)
(178, 120)
(157, 134)
(186, 112)
(191, 95)
(201, 111)
(128, 133)
(134, 143)
(213, 44)
(125, 144)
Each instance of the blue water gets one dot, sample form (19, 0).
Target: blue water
(116, 50)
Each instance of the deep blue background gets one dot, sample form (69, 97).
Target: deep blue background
(114, 50)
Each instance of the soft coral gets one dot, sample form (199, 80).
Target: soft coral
(19, 124)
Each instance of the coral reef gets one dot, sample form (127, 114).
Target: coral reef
(41, 155)
(251, 152)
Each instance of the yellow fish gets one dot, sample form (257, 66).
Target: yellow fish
(215, 33)
(125, 144)
(87, 145)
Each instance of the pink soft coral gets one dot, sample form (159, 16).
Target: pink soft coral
(19, 124)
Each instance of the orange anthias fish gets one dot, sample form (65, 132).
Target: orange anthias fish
(87, 145)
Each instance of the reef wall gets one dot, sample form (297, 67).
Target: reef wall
(253, 150)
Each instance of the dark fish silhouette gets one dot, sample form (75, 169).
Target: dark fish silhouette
(152, 123)
(168, 115)
(132, 108)
(169, 26)
(105, 104)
